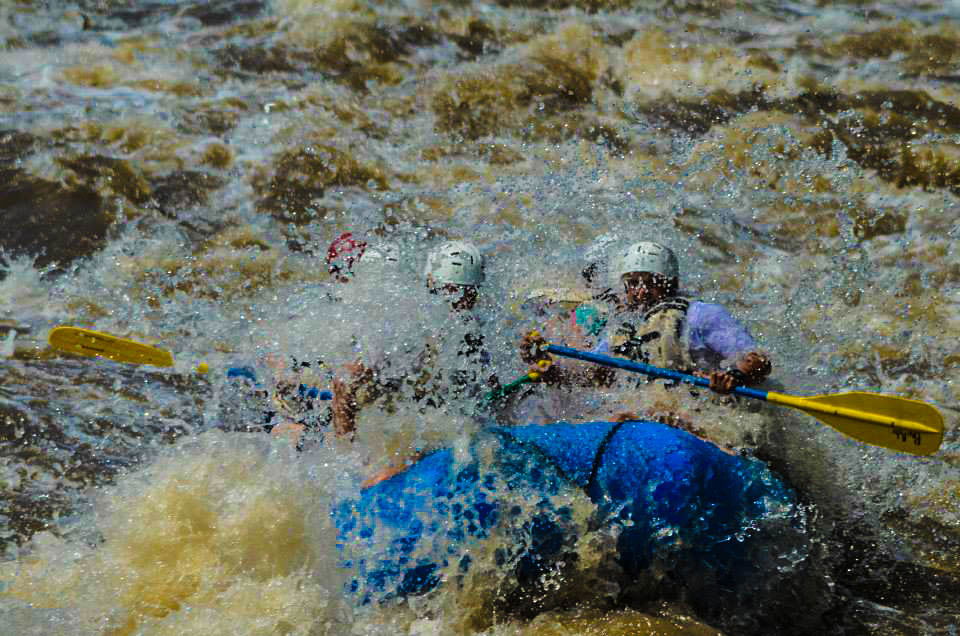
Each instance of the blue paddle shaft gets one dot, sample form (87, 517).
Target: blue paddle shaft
(310, 392)
(647, 369)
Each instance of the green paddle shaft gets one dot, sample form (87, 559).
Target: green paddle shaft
(507, 389)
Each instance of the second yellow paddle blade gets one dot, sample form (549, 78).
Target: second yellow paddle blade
(89, 343)
(908, 426)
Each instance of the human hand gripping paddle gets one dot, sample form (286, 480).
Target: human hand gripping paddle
(900, 424)
(511, 387)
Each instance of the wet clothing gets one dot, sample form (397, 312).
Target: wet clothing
(453, 368)
(591, 318)
(714, 335)
(659, 339)
(470, 378)
(539, 403)
(679, 334)
(300, 404)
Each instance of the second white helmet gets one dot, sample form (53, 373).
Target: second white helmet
(378, 258)
(455, 263)
(643, 257)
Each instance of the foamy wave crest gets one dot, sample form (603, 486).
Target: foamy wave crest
(226, 535)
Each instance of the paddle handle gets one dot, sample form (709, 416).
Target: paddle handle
(647, 369)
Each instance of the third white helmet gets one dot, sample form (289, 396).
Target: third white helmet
(455, 263)
(378, 258)
(643, 257)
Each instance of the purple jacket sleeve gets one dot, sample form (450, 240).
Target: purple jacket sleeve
(711, 327)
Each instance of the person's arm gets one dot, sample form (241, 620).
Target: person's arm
(714, 328)
(344, 407)
(559, 371)
(285, 413)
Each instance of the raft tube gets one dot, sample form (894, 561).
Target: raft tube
(673, 497)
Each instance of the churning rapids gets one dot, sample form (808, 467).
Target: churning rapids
(173, 172)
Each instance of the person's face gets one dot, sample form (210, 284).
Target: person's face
(643, 289)
(463, 297)
(468, 298)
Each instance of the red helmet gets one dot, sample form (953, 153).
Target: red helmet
(343, 254)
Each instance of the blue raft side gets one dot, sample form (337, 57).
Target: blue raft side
(571, 447)
(670, 491)
(680, 492)
(404, 529)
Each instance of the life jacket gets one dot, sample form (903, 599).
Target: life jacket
(659, 340)
(434, 385)
(591, 317)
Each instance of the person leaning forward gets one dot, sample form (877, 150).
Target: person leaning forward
(652, 323)
(454, 271)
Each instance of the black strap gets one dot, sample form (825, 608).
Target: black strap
(671, 303)
(601, 450)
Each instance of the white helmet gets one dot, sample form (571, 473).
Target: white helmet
(644, 257)
(596, 252)
(596, 265)
(379, 257)
(455, 263)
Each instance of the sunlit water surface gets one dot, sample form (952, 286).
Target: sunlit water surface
(173, 172)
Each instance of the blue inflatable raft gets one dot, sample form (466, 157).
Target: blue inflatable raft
(668, 496)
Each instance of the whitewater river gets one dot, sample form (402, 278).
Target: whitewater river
(173, 172)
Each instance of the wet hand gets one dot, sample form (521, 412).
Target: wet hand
(531, 348)
(722, 383)
(755, 366)
(543, 371)
(357, 372)
(355, 368)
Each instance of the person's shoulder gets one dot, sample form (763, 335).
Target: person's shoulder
(703, 306)
(701, 311)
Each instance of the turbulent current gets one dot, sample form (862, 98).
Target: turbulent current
(173, 173)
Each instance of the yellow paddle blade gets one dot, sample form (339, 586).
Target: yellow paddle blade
(89, 343)
(908, 426)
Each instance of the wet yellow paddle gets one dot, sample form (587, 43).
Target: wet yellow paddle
(908, 426)
(86, 342)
